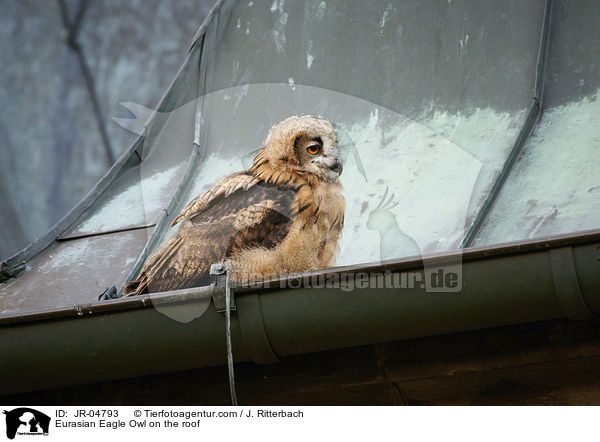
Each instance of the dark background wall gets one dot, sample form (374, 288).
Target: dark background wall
(66, 66)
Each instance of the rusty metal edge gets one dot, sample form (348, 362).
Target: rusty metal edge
(116, 305)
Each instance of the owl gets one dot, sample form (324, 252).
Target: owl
(283, 215)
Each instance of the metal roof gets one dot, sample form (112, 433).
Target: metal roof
(472, 90)
(476, 117)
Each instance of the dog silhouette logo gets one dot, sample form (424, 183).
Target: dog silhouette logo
(26, 421)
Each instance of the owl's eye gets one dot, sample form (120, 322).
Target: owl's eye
(313, 148)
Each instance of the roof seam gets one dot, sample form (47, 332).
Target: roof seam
(533, 116)
(195, 158)
(105, 232)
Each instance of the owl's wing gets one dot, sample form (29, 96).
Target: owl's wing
(239, 212)
(183, 261)
(240, 180)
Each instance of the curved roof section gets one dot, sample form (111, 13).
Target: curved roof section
(555, 186)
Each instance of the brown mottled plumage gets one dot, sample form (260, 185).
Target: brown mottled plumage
(283, 215)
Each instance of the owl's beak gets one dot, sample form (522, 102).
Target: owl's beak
(337, 167)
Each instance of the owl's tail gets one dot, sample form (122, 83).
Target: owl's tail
(154, 268)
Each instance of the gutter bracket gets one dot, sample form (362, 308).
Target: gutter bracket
(109, 293)
(7, 272)
(219, 286)
(566, 284)
(222, 292)
(249, 316)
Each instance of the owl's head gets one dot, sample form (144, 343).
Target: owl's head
(304, 145)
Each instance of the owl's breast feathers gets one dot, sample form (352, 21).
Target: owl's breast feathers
(260, 219)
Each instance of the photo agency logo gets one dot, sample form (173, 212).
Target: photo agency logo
(26, 422)
(392, 239)
(407, 185)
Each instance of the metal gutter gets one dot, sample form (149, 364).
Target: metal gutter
(534, 114)
(507, 284)
(295, 281)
